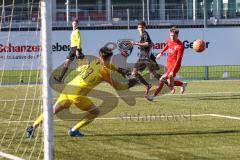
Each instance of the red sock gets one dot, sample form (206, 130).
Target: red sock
(178, 83)
(160, 86)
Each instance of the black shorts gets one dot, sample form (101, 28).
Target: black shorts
(72, 53)
(141, 64)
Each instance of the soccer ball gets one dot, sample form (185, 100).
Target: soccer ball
(199, 45)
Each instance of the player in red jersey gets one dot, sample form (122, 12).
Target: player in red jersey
(173, 65)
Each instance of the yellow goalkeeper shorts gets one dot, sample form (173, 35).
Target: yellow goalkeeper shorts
(81, 102)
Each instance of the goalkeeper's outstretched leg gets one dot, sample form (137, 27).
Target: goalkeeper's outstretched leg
(91, 113)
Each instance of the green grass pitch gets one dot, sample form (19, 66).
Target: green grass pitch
(204, 123)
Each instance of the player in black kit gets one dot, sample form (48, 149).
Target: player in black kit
(146, 59)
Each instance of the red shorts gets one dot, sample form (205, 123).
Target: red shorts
(170, 69)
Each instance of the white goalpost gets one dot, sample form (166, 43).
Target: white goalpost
(46, 28)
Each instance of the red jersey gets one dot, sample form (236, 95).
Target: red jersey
(175, 54)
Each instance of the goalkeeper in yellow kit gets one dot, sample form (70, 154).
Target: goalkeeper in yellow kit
(76, 91)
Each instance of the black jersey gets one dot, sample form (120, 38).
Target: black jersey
(145, 38)
(144, 50)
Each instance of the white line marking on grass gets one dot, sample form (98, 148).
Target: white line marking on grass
(219, 80)
(203, 93)
(189, 115)
(9, 156)
(28, 99)
(136, 117)
(224, 116)
(132, 117)
(185, 94)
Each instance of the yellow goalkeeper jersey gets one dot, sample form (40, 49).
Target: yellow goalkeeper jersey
(90, 76)
(76, 40)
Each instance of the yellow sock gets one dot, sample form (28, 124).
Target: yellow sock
(38, 121)
(85, 120)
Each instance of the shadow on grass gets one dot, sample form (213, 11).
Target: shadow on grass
(160, 133)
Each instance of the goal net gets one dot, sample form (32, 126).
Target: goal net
(20, 78)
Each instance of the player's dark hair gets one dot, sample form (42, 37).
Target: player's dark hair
(142, 23)
(105, 52)
(174, 30)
